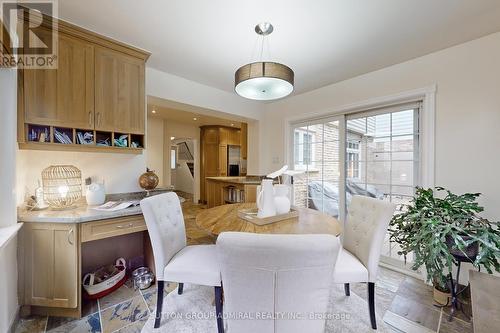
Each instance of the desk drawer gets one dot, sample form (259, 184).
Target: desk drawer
(112, 227)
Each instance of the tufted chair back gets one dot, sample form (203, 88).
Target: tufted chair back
(365, 229)
(165, 222)
(285, 275)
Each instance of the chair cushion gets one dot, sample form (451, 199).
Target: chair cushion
(195, 264)
(349, 269)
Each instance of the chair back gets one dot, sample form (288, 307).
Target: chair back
(365, 230)
(165, 222)
(276, 283)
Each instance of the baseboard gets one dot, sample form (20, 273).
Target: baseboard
(15, 321)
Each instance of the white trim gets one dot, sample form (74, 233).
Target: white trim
(427, 124)
(7, 233)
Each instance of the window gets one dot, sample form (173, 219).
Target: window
(304, 148)
(352, 157)
(373, 153)
(173, 158)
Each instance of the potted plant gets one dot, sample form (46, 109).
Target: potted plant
(438, 227)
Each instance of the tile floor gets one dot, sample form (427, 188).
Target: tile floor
(403, 301)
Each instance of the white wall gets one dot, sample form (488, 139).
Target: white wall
(119, 171)
(155, 148)
(184, 181)
(467, 138)
(174, 88)
(8, 251)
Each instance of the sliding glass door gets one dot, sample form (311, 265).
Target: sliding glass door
(373, 153)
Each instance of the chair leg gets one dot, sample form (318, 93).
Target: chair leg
(218, 309)
(159, 303)
(180, 289)
(371, 304)
(347, 289)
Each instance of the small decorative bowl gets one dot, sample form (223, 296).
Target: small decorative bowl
(140, 271)
(144, 281)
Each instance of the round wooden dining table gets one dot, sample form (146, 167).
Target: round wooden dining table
(225, 218)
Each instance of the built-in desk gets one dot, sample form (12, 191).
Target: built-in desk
(57, 247)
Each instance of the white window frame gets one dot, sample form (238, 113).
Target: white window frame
(312, 165)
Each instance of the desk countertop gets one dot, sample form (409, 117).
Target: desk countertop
(238, 180)
(82, 212)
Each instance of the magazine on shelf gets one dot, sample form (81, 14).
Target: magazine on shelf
(112, 206)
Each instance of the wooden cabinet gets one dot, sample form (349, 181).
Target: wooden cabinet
(244, 140)
(119, 93)
(222, 160)
(51, 259)
(99, 85)
(63, 96)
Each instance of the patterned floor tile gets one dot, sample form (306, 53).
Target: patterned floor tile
(135, 327)
(89, 324)
(150, 294)
(123, 293)
(124, 314)
(33, 324)
(416, 290)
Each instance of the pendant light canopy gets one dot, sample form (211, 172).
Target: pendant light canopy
(264, 80)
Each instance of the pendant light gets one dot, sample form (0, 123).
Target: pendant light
(264, 80)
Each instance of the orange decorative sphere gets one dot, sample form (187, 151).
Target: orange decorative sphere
(148, 180)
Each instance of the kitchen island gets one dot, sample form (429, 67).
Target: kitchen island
(227, 190)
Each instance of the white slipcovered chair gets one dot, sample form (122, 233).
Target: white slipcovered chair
(284, 275)
(174, 261)
(364, 233)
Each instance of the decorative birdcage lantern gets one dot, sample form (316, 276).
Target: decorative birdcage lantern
(62, 186)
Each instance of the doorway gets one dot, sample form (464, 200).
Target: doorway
(182, 166)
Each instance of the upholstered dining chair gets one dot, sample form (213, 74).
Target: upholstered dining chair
(276, 283)
(174, 261)
(364, 233)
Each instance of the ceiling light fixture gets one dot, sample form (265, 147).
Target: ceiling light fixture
(154, 111)
(195, 118)
(264, 80)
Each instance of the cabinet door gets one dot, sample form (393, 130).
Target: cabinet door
(75, 84)
(119, 92)
(243, 140)
(40, 92)
(51, 265)
(222, 160)
(62, 96)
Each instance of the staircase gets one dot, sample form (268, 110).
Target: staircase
(191, 167)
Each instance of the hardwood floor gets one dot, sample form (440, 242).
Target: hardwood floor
(404, 302)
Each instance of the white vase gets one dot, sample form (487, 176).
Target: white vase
(95, 194)
(281, 199)
(265, 199)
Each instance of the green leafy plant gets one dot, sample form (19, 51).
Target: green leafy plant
(434, 217)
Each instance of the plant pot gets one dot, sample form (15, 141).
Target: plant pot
(441, 297)
(470, 252)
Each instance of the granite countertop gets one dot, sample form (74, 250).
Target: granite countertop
(83, 212)
(254, 180)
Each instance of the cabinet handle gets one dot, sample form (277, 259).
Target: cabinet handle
(127, 226)
(69, 234)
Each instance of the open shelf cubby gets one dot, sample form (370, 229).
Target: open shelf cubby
(85, 137)
(63, 135)
(121, 140)
(38, 133)
(136, 141)
(104, 139)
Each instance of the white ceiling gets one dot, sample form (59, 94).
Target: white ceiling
(323, 41)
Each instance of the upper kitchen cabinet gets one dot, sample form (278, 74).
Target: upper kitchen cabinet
(93, 101)
(63, 96)
(119, 93)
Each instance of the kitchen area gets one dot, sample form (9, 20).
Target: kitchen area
(224, 178)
